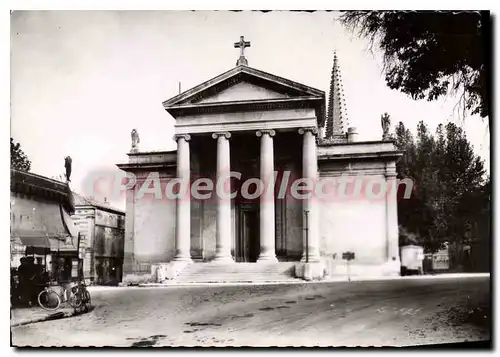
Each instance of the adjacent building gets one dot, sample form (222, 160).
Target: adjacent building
(41, 224)
(102, 231)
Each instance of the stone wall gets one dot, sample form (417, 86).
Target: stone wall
(154, 227)
(149, 228)
(357, 220)
(209, 227)
(355, 226)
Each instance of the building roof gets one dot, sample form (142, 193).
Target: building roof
(43, 187)
(297, 94)
(88, 201)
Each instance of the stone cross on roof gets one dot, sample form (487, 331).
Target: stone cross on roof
(241, 45)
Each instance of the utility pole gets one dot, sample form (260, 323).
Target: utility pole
(79, 259)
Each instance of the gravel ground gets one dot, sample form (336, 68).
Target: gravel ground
(371, 313)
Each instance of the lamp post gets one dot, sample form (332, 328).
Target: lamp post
(306, 212)
(79, 256)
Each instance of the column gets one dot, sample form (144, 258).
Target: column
(267, 215)
(183, 201)
(310, 172)
(392, 230)
(223, 221)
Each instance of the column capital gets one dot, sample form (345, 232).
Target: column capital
(186, 137)
(312, 130)
(226, 134)
(260, 133)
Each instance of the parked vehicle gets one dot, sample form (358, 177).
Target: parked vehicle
(412, 257)
(52, 296)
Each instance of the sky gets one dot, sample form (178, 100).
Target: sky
(82, 80)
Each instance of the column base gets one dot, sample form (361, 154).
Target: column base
(267, 259)
(182, 258)
(223, 259)
(312, 259)
(170, 271)
(310, 271)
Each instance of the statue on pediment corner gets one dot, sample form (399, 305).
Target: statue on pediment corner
(385, 121)
(135, 140)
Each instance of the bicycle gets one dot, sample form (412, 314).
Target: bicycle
(49, 299)
(81, 295)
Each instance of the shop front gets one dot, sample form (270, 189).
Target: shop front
(108, 270)
(44, 240)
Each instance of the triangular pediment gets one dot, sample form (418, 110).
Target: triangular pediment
(242, 84)
(244, 91)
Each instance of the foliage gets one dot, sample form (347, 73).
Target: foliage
(18, 159)
(431, 54)
(449, 185)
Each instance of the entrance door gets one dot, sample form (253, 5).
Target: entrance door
(248, 243)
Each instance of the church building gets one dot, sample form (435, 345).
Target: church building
(278, 187)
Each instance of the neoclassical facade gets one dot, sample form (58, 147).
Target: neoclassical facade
(251, 146)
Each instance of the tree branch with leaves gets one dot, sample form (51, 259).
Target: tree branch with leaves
(18, 159)
(428, 55)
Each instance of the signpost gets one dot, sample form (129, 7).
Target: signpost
(348, 256)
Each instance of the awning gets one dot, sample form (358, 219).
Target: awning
(39, 242)
(42, 245)
(30, 218)
(40, 227)
(68, 223)
(46, 225)
(35, 245)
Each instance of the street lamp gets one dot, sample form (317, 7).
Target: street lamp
(306, 212)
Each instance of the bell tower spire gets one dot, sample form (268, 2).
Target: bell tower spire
(336, 117)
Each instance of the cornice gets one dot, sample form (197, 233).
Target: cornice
(144, 153)
(384, 155)
(145, 166)
(248, 105)
(33, 185)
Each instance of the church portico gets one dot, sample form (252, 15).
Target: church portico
(245, 179)
(251, 152)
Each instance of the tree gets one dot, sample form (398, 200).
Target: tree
(18, 159)
(448, 186)
(431, 54)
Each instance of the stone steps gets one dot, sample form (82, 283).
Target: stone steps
(236, 272)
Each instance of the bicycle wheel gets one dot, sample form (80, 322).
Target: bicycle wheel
(87, 300)
(49, 300)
